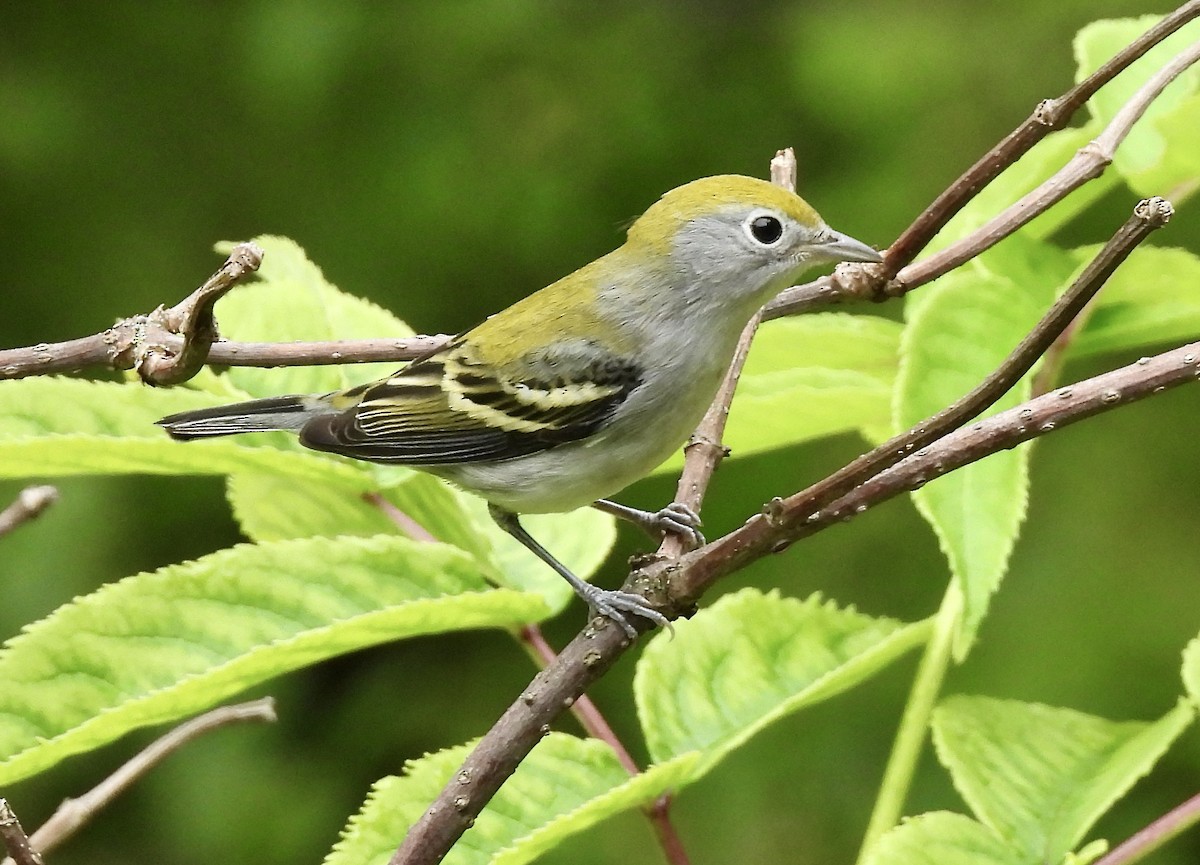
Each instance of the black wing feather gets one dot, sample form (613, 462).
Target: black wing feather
(450, 409)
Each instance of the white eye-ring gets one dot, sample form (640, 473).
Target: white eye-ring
(764, 228)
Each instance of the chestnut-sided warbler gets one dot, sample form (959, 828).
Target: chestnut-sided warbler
(573, 393)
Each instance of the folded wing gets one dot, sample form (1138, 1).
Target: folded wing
(455, 407)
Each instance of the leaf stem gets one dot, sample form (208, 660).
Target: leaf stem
(914, 724)
(1158, 833)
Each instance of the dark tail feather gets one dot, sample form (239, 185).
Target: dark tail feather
(259, 415)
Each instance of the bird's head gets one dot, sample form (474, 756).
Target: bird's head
(740, 237)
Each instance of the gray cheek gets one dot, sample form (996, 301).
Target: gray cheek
(705, 250)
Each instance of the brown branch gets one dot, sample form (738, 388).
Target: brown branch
(271, 354)
(788, 520)
(584, 710)
(704, 450)
(1138, 846)
(74, 813)
(681, 581)
(29, 504)
(16, 842)
(596, 725)
(1087, 164)
(166, 346)
(591, 654)
(872, 282)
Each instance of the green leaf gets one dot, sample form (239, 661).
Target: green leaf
(61, 426)
(273, 507)
(968, 322)
(942, 838)
(1041, 776)
(1176, 173)
(160, 646)
(1150, 300)
(276, 507)
(564, 786)
(1191, 671)
(751, 659)
(811, 376)
(1042, 161)
(1159, 153)
(291, 300)
(52, 405)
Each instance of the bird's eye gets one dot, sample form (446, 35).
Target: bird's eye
(766, 229)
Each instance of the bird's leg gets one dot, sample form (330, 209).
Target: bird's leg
(604, 602)
(676, 518)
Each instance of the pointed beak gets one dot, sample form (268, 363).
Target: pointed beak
(842, 247)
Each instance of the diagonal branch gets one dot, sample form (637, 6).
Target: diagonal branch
(166, 346)
(872, 282)
(1139, 845)
(681, 581)
(16, 842)
(30, 503)
(1087, 164)
(74, 813)
(792, 518)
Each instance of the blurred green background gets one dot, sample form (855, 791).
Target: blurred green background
(444, 159)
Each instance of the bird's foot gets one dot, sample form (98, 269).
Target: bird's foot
(676, 518)
(618, 606)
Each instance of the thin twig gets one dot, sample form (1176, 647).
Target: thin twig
(873, 282)
(704, 450)
(782, 523)
(1087, 164)
(406, 524)
(166, 346)
(272, 354)
(584, 710)
(74, 813)
(1138, 846)
(29, 504)
(20, 851)
(597, 726)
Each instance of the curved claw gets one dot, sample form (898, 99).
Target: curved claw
(615, 605)
(679, 519)
(676, 518)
